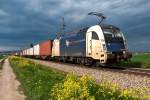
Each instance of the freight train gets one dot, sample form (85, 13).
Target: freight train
(98, 44)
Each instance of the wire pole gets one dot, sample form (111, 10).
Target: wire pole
(63, 26)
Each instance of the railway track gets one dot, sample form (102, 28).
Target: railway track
(138, 71)
(125, 70)
(135, 71)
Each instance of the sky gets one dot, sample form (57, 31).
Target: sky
(31, 21)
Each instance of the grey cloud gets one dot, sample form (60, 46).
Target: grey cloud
(26, 21)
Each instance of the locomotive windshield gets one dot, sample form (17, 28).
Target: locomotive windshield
(113, 35)
(114, 39)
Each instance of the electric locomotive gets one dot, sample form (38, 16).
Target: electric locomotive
(96, 44)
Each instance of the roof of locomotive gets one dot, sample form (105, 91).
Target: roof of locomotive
(105, 26)
(83, 30)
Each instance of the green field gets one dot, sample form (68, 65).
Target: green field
(141, 58)
(137, 61)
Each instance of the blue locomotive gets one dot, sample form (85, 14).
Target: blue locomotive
(96, 44)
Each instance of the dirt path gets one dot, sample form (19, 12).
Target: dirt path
(9, 85)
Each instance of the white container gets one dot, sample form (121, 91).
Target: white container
(25, 52)
(21, 53)
(36, 49)
(16, 53)
(56, 48)
(28, 51)
(31, 51)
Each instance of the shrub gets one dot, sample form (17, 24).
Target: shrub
(20, 61)
(73, 88)
(85, 88)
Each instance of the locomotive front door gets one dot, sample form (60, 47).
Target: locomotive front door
(93, 45)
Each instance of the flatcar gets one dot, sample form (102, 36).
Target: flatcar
(96, 44)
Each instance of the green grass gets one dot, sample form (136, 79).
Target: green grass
(1, 63)
(137, 61)
(36, 80)
(141, 58)
(1, 56)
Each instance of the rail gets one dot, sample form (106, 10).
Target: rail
(119, 69)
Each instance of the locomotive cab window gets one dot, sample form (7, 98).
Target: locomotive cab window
(112, 35)
(95, 36)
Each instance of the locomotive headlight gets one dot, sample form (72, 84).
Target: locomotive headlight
(124, 52)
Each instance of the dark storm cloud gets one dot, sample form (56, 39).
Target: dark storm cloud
(30, 21)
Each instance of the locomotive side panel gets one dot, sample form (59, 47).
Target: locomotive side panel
(73, 45)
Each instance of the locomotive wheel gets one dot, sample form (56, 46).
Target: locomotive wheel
(96, 64)
(88, 62)
(64, 59)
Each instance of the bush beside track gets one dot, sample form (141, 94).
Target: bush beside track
(1, 64)
(2, 58)
(137, 61)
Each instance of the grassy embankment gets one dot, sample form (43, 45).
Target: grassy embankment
(1, 56)
(36, 80)
(40, 83)
(137, 61)
(1, 62)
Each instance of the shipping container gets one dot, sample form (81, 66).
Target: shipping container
(25, 52)
(28, 51)
(56, 48)
(21, 53)
(36, 49)
(46, 48)
(16, 53)
(31, 51)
